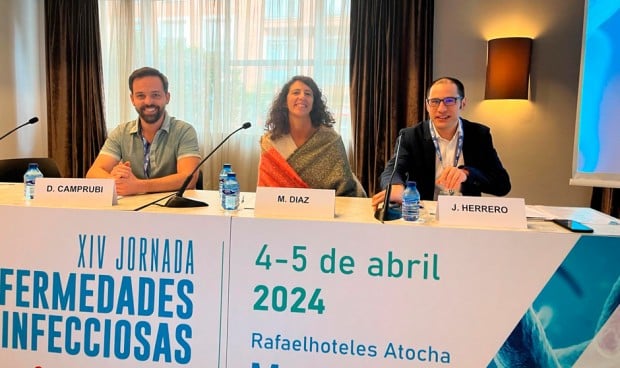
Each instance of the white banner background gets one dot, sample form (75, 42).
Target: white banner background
(477, 286)
(487, 281)
(47, 240)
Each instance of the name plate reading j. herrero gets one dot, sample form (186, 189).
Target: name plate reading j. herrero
(295, 202)
(63, 191)
(481, 211)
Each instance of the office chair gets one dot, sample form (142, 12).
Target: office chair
(12, 170)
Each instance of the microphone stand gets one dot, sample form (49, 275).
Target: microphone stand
(387, 213)
(153, 202)
(31, 121)
(177, 200)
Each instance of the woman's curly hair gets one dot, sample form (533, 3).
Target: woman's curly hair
(277, 120)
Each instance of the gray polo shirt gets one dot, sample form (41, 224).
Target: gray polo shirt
(174, 140)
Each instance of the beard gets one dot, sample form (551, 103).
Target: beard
(151, 118)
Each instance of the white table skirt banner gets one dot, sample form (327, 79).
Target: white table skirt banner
(129, 289)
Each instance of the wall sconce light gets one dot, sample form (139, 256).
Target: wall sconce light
(508, 68)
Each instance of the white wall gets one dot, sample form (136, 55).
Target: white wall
(22, 80)
(534, 138)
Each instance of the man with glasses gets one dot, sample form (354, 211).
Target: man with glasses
(445, 154)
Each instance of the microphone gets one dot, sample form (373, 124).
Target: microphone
(386, 213)
(31, 121)
(177, 200)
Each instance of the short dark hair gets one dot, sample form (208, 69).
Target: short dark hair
(460, 88)
(148, 72)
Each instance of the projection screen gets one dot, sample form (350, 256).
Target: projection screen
(596, 154)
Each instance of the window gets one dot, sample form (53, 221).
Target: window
(281, 9)
(226, 60)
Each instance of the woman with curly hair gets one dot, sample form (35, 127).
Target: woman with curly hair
(300, 148)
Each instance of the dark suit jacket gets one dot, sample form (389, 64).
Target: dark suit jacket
(417, 158)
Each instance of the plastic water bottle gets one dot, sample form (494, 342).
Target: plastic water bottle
(223, 175)
(411, 202)
(230, 192)
(30, 177)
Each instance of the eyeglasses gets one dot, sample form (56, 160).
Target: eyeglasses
(448, 101)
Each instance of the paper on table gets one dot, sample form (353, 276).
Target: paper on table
(538, 212)
(581, 214)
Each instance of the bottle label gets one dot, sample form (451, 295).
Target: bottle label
(411, 210)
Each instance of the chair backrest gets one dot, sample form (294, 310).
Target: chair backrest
(199, 183)
(13, 169)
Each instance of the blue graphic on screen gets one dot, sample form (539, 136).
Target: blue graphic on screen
(570, 310)
(599, 127)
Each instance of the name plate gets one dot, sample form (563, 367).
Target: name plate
(481, 211)
(295, 203)
(69, 191)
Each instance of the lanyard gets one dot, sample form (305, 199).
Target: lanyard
(147, 156)
(459, 145)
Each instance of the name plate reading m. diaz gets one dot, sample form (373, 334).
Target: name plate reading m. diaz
(64, 191)
(481, 211)
(295, 203)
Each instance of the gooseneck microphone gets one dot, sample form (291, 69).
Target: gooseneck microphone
(386, 213)
(177, 200)
(31, 121)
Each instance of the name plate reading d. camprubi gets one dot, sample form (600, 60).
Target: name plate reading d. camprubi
(72, 191)
(481, 211)
(295, 203)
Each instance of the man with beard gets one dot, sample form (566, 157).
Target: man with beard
(154, 153)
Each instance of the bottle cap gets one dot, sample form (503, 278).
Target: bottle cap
(411, 182)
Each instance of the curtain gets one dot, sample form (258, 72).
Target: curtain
(76, 125)
(225, 61)
(391, 59)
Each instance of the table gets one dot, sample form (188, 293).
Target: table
(201, 287)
